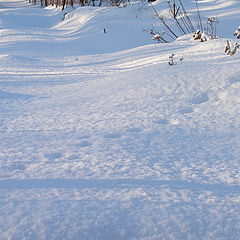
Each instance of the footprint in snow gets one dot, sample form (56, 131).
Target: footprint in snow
(135, 130)
(201, 98)
(73, 157)
(84, 144)
(53, 155)
(162, 121)
(84, 137)
(187, 110)
(112, 135)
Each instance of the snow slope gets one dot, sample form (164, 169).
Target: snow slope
(101, 139)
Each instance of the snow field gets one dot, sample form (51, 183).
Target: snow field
(101, 139)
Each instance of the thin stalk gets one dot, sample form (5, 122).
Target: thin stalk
(174, 11)
(164, 23)
(199, 16)
(187, 17)
(185, 23)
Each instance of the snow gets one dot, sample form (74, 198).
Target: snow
(102, 139)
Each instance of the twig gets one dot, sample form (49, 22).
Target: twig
(174, 10)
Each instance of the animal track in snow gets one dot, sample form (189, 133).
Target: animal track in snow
(135, 130)
(83, 144)
(73, 157)
(53, 155)
(112, 135)
(162, 121)
(201, 98)
(187, 110)
(84, 137)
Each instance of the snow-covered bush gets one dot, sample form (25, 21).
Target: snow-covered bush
(156, 36)
(199, 35)
(231, 49)
(173, 61)
(237, 33)
(185, 23)
(211, 28)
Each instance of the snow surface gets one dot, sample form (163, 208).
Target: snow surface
(102, 140)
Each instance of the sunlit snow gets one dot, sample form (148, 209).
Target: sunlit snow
(102, 140)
